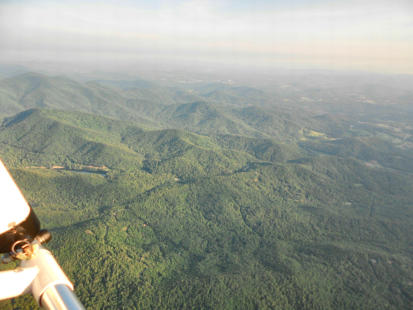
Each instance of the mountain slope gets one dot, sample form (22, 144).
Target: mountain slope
(33, 90)
(49, 138)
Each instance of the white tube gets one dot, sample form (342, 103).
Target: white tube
(60, 297)
(50, 277)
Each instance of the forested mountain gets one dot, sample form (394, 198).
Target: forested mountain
(156, 106)
(162, 197)
(32, 90)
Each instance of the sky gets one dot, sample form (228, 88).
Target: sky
(365, 35)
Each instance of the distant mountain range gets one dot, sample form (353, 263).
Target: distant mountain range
(151, 105)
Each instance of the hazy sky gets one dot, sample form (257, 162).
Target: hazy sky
(369, 35)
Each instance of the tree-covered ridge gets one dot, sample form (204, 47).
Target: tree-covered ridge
(250, 112)
(163, 219)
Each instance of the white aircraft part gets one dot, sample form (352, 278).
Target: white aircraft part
(13, 207)
(16, 282)
(50, 273)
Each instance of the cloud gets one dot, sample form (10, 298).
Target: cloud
(341, 31)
